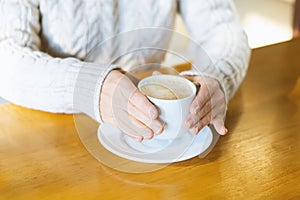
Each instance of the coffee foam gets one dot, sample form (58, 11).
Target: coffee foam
(168, 89)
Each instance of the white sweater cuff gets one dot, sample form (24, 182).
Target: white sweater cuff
(88, 87)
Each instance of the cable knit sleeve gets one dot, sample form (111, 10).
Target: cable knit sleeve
(33, 79)
(215, 26)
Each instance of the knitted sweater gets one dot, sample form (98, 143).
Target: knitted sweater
(45, 45)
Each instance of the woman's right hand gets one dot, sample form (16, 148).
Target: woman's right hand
(124, 106)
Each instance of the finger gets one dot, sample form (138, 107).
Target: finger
(200, 100)
(138, 132)
(133, 128)
(219, 125)
(216, 106)
(141, 129)
(156, 73)
(192, 119)
(136, 139)
(155, 125)
(143, 104)
(201, 124)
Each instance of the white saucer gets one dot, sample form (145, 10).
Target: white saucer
(178, 150)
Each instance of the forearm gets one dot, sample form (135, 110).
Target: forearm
(38, 81)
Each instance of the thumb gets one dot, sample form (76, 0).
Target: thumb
(219, 126)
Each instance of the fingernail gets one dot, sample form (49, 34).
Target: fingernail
(195, 130)
(160, 130)
(225, 131)
(138, 139)
(188, 123)
(153, 113)
(163, 128)
(148, 136)
(195, 110)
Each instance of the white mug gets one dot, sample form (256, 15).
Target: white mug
(172, 112)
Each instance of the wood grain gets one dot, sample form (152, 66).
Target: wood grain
(42, 157)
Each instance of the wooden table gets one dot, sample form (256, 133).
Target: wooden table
(42, 157)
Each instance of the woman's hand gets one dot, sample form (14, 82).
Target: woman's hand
(124, 106)
(209, 106)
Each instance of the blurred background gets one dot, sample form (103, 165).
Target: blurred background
(265, 21)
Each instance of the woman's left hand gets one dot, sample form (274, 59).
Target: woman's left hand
(208, 107)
